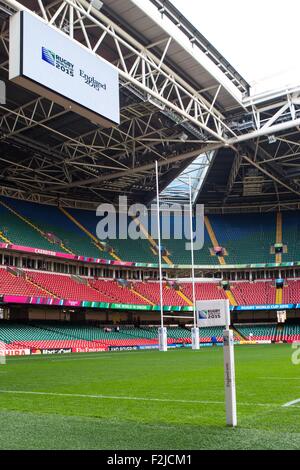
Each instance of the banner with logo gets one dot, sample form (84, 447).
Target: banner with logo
(20, 299)
(17, 352)
(87, 259)
(212, 313)
(57, 351)
(89, 349)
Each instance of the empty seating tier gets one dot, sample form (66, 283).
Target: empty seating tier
(263, 332)
(65, 287)
(246, 238)
(51, 220)
(13, 285)
(254, 293)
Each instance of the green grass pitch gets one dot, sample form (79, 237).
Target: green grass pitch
(149, 400)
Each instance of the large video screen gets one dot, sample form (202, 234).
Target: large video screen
(48, 62)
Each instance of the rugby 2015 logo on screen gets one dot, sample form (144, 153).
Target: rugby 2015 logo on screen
(57, 61)
(48, 56)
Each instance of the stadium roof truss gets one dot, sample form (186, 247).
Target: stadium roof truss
(179, 99)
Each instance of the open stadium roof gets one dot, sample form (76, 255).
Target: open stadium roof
(180, 98)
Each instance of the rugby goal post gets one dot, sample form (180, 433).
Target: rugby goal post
(2, 353)
(212, 313)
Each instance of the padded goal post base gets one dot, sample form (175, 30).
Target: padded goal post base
(162, 339)
(195, 338)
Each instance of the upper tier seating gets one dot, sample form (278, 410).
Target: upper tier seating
(20, 233)
(51, 219)
(127, 250)
(247, 238)
(291, 235)
(13, 285)
(177, 248)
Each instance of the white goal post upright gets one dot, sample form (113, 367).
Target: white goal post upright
(212, 313)
(162, 331)
(229, 372)
(2, 353)
(195, 329)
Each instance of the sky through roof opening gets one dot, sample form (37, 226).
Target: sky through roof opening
(259, 38)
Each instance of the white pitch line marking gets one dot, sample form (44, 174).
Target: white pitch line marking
(279, 378)
(61, 358)
(291, 403)
(110, 397)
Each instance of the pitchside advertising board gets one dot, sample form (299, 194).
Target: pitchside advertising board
(46, 61)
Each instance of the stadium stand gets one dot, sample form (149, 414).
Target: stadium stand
(65, 287)
(17, 231)
(51, 219)
(254, 293)
(15, 285)
(56, 335)
(290, 333)
(127, 250)
(117, 292)
(246, 238)
(291, 291)
(151, 291)
(46, 284)
(291, 235)
(261, 332)
(178, 252)
(204, 291)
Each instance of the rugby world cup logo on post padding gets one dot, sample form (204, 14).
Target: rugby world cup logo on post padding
(48, 56)
(203, 314)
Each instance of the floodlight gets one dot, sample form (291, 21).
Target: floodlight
(183, 136)
(97, 4)
(272, 139)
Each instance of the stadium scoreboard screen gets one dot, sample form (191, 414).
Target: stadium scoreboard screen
(49, 63)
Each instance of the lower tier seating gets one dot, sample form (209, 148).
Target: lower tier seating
(56, 335)
(290, 333)
(287, 332)
(262, 332)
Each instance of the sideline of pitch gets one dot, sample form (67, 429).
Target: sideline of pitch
(112, 397)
